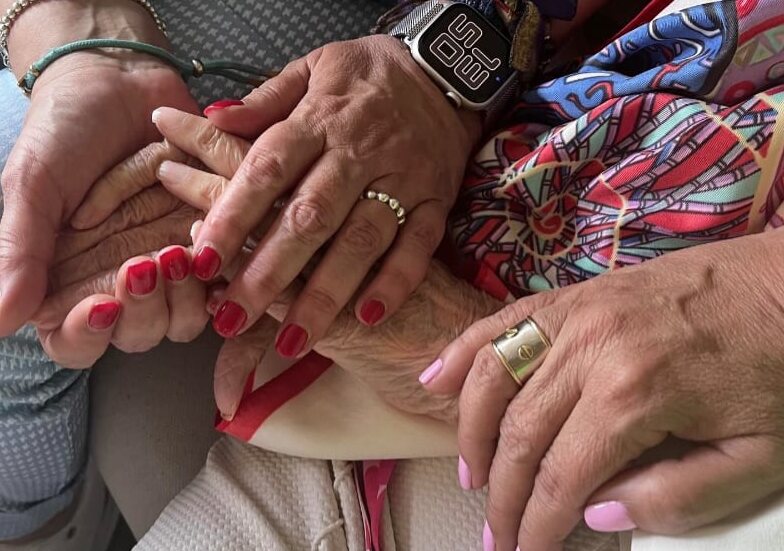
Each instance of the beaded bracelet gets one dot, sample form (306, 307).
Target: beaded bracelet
(21, 5)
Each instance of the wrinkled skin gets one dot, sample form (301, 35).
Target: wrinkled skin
(388, 357)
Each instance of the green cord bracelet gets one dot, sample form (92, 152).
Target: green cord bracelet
(240, 72)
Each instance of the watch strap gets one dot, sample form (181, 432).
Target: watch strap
(413, 23)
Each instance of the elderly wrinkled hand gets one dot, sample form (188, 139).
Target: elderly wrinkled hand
(122, 281)
(688, 345)
(388, 357)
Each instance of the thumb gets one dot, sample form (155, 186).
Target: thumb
(237, 360)
(266, 105)
(447, 373)
(28, 229)
(677, 495)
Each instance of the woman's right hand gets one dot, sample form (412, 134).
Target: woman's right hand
(348, 118)
(89, 111)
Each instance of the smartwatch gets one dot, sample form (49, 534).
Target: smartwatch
(462, 51)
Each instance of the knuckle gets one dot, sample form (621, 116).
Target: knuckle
(320, 300)
(308, 221)
(668, 512)
(263, 167)
(404, 283)
(515, 446)
(261, 277)
(548, 486)
(425, 238)
(486, 372)
(207, 138)
(362, 239)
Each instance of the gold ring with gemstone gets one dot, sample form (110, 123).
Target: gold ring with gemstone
(521, 349)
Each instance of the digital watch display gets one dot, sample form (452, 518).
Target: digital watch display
(461, 50)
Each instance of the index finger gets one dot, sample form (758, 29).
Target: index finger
(274, 164)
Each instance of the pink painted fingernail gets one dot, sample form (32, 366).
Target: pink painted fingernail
(608, 516)
(103, 315)
(464, 474)
(221, 104)
(430, 373)
(488, 541)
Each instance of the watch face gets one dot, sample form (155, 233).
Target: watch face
(468, 52)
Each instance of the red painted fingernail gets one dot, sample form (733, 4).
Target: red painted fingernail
(174, 264)
(142, 278)
(608, 516)
(221, 104)
(372, 311)
(103, 315)
(206, 264)
(229, 319)
(291, 341)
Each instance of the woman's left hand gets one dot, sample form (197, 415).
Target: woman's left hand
(688, 345)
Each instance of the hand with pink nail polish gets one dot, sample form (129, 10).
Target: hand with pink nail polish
(683, 349)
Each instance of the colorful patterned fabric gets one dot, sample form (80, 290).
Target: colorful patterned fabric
(669, 137)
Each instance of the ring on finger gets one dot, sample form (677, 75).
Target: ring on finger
(388, 200)
(521, 349)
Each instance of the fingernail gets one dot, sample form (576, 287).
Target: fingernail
(372, 311)
(206, 264)
(221, 104)
(227, 416)
(608, 516)
(174, 264)
(103, 315)
(229, 319)
(155, 116)
(488, 541)
(195, 229)
(464, 474)
(430, 373)
(291, 341)
(170, 170)
(142, 278)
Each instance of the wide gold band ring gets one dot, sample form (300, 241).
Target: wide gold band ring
(521, 349)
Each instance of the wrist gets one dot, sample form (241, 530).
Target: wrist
(47, 25)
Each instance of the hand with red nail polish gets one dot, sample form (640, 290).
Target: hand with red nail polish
(367, 250)
(70, 137)
(157, 297)
(389, 358)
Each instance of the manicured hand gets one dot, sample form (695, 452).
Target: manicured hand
(687, 345)
(349, 117)
(388, 358)
(105, 288)
(87, 114)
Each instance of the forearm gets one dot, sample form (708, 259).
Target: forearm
(46, 25)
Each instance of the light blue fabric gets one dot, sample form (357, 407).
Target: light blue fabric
(43, 409)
